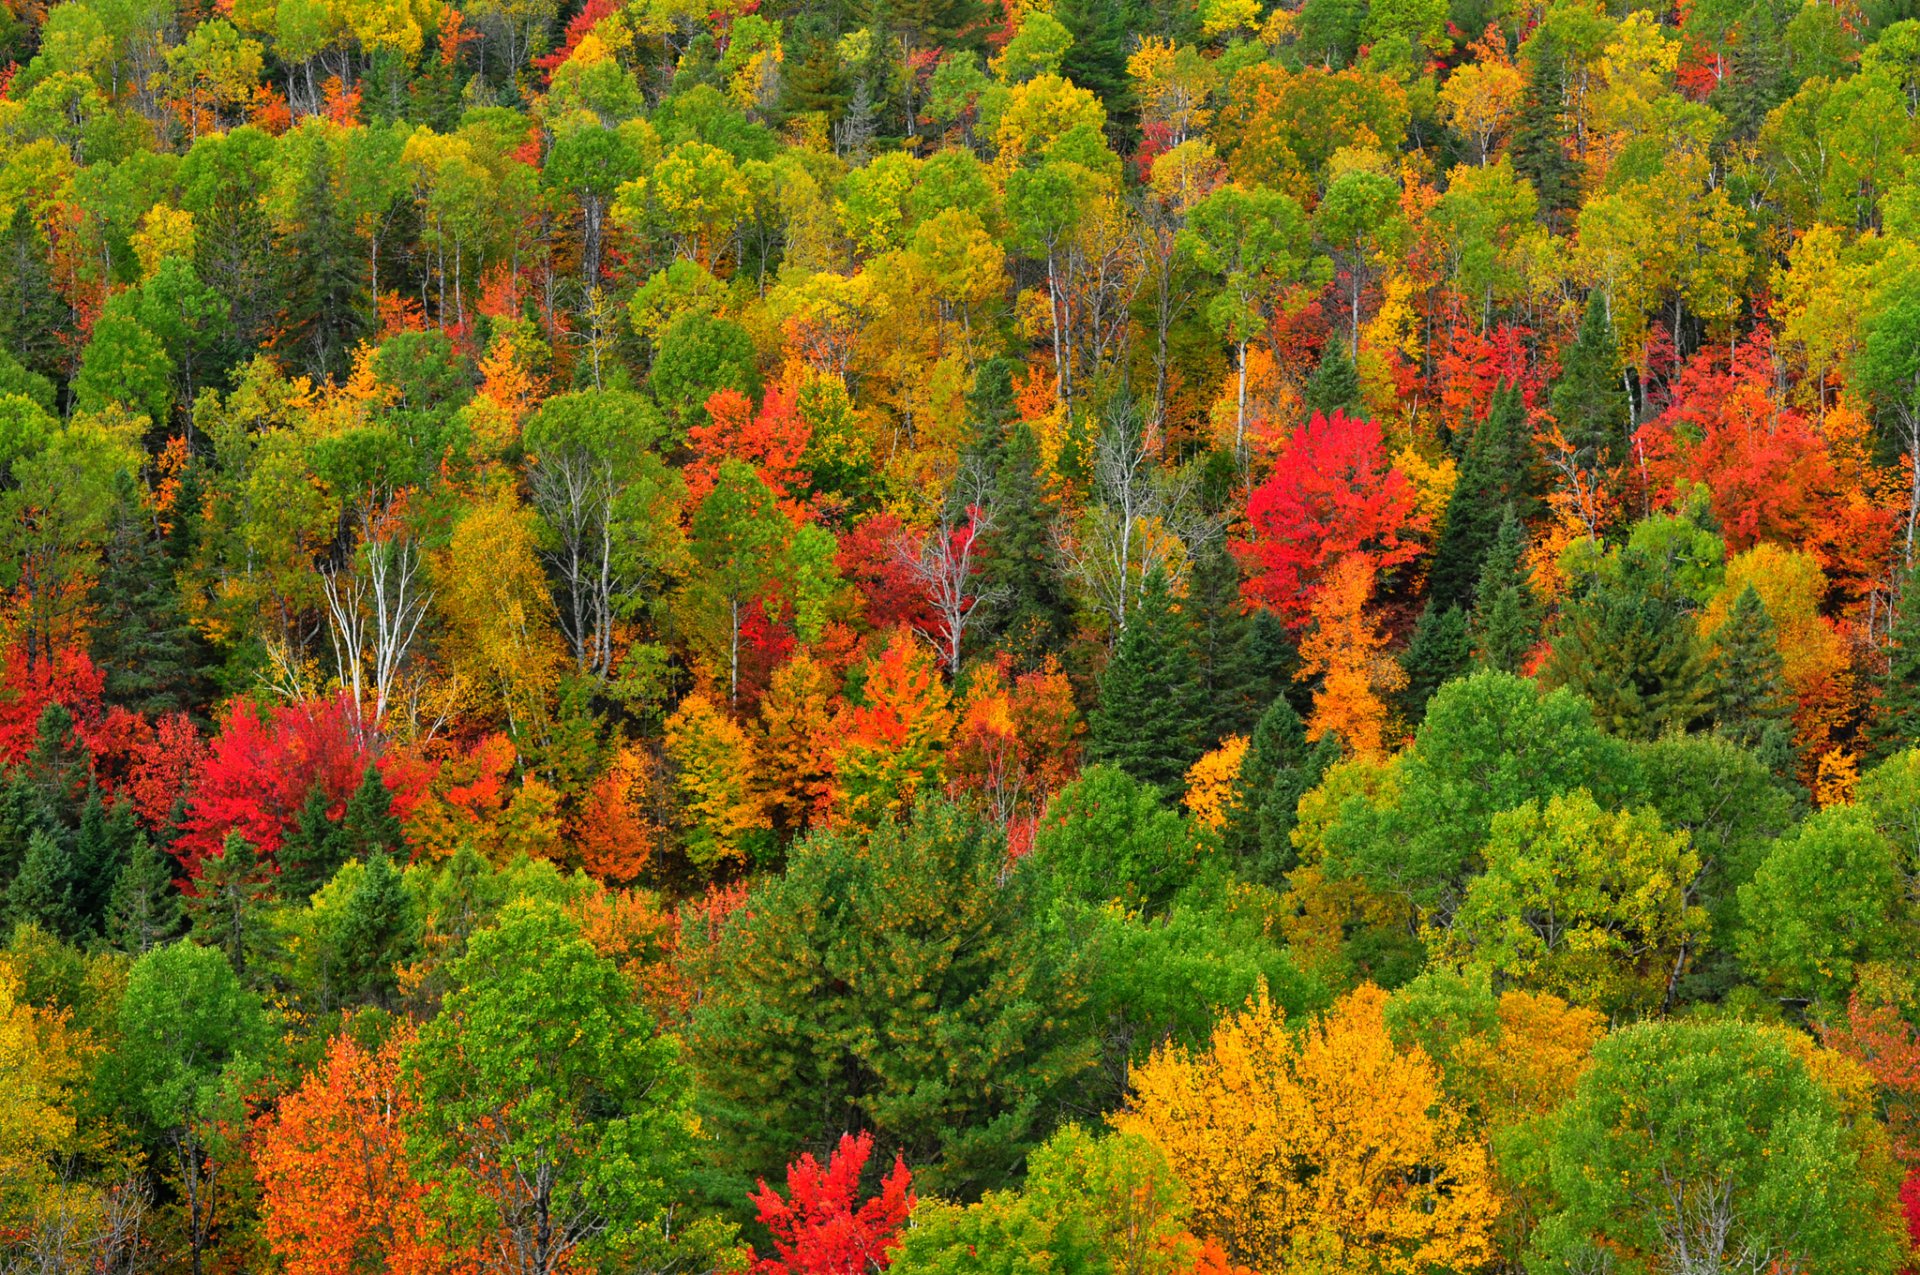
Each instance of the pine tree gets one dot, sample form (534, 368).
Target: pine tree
(42, 891)
(1542, 131)
(20, 818)
(377, 933)
(57, 767)
(367, 826)
(1437, 653)
(101, 847)
(1256, 670)
(31, 318)
(145, 910)
(1504, 625)
(1146, 720)
(1279, 767)
(1896, 713)
(1589, 400)
(1628, 646)
(1023, 561)
(1748, 693)
(312, 851)
(1233, 652)
(1335, 383)
(1496, 475)
(141, 638)
(229, 906)
(324, 295)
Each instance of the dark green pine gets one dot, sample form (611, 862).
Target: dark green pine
(1629, 648)
(1280, 766)
(1496, 474)
(311, 852)
(1335, 383)
(1589, 399)
(325, 295)
(1749, 692)
(368, 826)
(42, 891)
(229, 906)
(1437, 653)
(377, 933)
(1504, 625)
(1147, 718)
(1541, 132)
(1896, 713)
(1023, 565)
(145, 911)
(142, 640)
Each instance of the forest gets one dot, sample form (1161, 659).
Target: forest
(959, 637)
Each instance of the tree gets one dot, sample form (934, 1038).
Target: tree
(1504, 625)
(1344, 650)
(42, 890)
(228, 907)
(1750, 701)
(141, 636)
(713, 775)
(893, 980)
(945, 562)
(1437, 653)
(737, 542)
(378, 933)
(145, 909)
(1589, 400)
(1280, 767)
(324, 298)
(1587, 904)
(817, 1230)
(1107, 836)
(1542, 133)
(1496, 481)
(1710, 1142)
(338, 1190)
(1339, 1145)
(1023, 564)
(1335, 383)
(1896, 716)
(1826, 899)
(1331, 495)
(894, 734)
(1144, 720)
(188, 1030)
(552, 1113)
(1626, 645)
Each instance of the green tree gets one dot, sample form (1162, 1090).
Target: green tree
(1107, 836)
(228, 908)
(892, 980)
(1826, 899)
(1751, 705)
(1590, 905)
(1589, 400)
(1896, 711)
(1148, 709)
(1023, 563)
(145, 910)
(367, 826)
(737, 542)
(188, 1032)
(1543, 131)
(325, 300)
(555, 1117)
(1280, 767)
(125, 364)
(1335, 383)
(1504, 625)
(1496, 480)
(378, 932)
(1437, 653)
(141, 636)
(1706, 1143)
(41, 892)
(1627, 643)
(312, 850)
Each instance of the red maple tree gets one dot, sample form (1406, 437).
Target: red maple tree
(819, 1229)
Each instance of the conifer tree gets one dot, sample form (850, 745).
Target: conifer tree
(324, 297)
(230, 903)
(1147, 718)
(1542, 130)
(377, 933)
(368, 825)
(1504, 625)
(1896, 713)
(101, 846)
(312, 851)
(1496, 476)
(1589, 400)
(42, 891)
(145, 910)
(19, 820)
(1335, 383)
(1628, 645)
(1749, 696)
(56, 768)
(1279, 767)
(141, 637)
(1437, 653)
(1023, 562)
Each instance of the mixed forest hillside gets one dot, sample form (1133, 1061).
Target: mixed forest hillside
(1117, 637)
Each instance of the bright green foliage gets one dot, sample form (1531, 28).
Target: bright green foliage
(892, 980)
(1107, 836)
(554, 1116)
(1701, 1141)
(1591, 906)
(1145, 719)
(1279, 767)
(1826, 898)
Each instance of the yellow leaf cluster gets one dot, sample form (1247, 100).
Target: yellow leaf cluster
(1335, 1152)
(1213, 783)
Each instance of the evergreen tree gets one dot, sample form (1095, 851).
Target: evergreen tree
(1628, 645)
(1541, 133)
(1335, 383)
(1280, 766)
(1496, 476)
(324, 294)
(378, 932)
(229, 906)
(42, 891)
(312, 851)
(19, 820)
(1023, 561)
(31, 314)
(145, 911)
(1147, 719)
(57, 767)
(141, 638)
(1103, 32)
(1749, 696)
(1589, 400)
(1896, 712)
(1257, 669)
(101, 847)
(367, 826)
(1437, 653)
(1504, 626)
(1241, 659)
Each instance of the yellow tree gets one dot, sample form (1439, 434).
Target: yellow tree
(1334, 1150)
(493, 595)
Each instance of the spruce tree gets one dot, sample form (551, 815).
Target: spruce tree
(57, 767)
(101, 846)
(1748, 692)
(1896, 712)
(20, 818)
(141, 638)
(1146, 720)
(42, 891)
(377, 933)
(1257, 670)
(145, 911)
(1023, 561)
(1335, 384)
(229, 906)
(1589, 400)
(1234, 653)
(1437, 653)
(367, 825)
(324, 296)
(312, 851)
(1280, 766)
(1541, 132)
(1504, 625)
(1628, 645)
(1496, 475)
